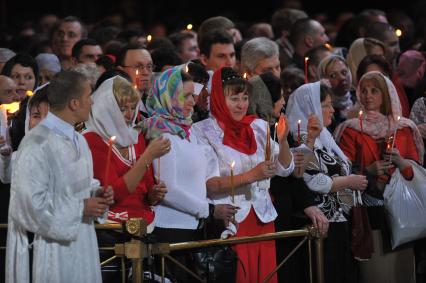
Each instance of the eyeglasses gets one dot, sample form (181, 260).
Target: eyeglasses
(148, 67)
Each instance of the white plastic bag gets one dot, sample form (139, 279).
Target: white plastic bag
(405, 204)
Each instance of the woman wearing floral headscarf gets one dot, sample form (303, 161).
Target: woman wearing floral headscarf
(185, 169)
(369, 149)
(236, 137)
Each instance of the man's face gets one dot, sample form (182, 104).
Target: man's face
(89, 54)
(392, 45)
(319, 36)
(65, 37)
(8, 92)
(85, 103)
(221, 55)
(189, 50)
(138, 65)
(271, 64)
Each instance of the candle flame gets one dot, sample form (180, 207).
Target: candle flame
(299, 121)
(398, 32)
(137, 72)
(112, 139)
(399, 118)
(232, 164)
(360, 113)
(186, 68)
(11, 107)
(306, 59)
(276, 124)
(189, 27)
(29, 93)
(245, 76)
(149, 38)
(328, 46)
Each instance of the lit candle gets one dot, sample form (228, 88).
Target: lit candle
(328, 46)
(149, 38)
(394, 137)
(3, 122)
(298, 131)
(273, 145)
(306, 69)
(189, 27)
(398, 32)
(360, 120)
(11, 107)
(29, 93)
(268, 143)
(232, 183)
(136, 79)
(110, 144)
(245, 76)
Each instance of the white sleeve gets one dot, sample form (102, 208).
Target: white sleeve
(318, 182)
(36, 207)
(281, 170)
(178, 197)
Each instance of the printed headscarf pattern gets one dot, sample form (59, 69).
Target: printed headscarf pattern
(306, 101)
(106, 119)
(165, 106)
(379, 126)
(237, 134)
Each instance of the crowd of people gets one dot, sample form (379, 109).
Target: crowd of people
(247, 131)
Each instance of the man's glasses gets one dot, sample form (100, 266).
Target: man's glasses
(148, 67)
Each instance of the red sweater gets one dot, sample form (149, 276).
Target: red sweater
(352, 143)
(135, 203)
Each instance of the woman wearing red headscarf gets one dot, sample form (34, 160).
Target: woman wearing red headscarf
(240, 139)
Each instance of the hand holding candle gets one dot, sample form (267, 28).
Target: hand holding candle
(108, 164)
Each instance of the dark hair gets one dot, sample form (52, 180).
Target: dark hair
(314, 52)
(110, 74)
(378, 30)
(273, 84)
(164, 56)
(232, 82)
(70, 19)
(301, 28)
(123, 52)
(283, 19)
(65, 86)
(106, 61)
(78, 47)
(370, 60)
(159, 42)
(325, 91)
(186, 76)
(216, 36)
(39, 97)
(198, 72)
(24, 60)
(291, 79)
(214, 23)
(179, 37)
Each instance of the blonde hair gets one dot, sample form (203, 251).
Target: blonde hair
(379, 82)
(124, 91)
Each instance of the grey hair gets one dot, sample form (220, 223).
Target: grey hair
(255, 50)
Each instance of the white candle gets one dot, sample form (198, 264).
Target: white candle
(273, 145)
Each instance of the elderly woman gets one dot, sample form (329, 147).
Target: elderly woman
(239, 141)
(371, 148)
(327, 173)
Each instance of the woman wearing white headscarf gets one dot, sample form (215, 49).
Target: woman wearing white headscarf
(368, 149)
(327, 173)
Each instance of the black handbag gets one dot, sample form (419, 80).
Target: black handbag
(215, 263)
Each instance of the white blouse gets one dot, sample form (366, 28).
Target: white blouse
(255, 194)
(184, 170)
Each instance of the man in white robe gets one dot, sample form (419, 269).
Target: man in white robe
(52, 184)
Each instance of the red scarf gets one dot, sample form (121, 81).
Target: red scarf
(237, 134)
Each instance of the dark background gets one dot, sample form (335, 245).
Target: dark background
(175, 14)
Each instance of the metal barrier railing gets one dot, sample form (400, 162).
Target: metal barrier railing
(136, 250)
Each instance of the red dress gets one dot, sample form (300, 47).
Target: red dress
(353, 143)
(135, 204)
